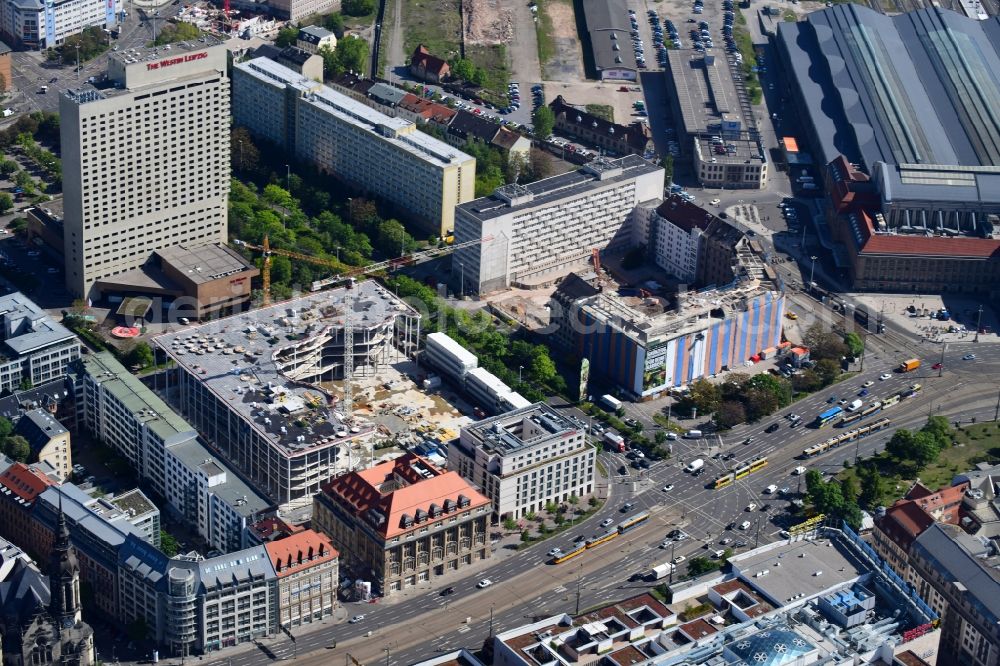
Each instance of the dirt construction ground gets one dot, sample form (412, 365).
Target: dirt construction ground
(567, 64)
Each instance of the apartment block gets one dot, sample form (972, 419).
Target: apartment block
(34, 349)
(146, 162)
(535, 234)
(272, 414)
(403, 522)
(306, 565)
(451, 359)
(164, 449)
(384, 157)
(48, 439)
(34, 24)
(524, 459)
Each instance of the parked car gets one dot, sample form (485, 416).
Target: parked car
(484, 583)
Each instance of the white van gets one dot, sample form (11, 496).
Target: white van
(692, 434)
(695, 465)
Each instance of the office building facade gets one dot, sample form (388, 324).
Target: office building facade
(146, 162)
(403, 522)
(34, 348)
(525, 459)
(34, 24)
(388, 158)
(533, 234)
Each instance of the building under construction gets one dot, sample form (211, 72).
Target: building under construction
(256, 385)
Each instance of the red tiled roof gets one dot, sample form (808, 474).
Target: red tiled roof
(971, 248)
(423, 58)
(904, 522)
(426, 108)
(930, 501)
(299, 552)
(404, 487)
(25, 482)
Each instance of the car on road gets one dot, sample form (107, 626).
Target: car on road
(843, 401)
(785, 492)
(748, 440)
(666, 543)
(740, 544)
(969, 357)
(579, 538)
(725, 542)
(862, 393)
(357, 618)
(937, 366)
(607, 522)
(884, 376)
(667, 488)
(751, 506)
(555, 552)
(868, 383)
(715, 202)
(791, 315)
(627, 506)
(677, 560)
(630, 422)
(832, 399)
(729, 456)
(446, 591)
(771, 489)
(773, 427)
(745, 525)
(484, 583)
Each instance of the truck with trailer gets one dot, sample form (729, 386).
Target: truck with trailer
(610, 402)
(909, 365)
(614, 441)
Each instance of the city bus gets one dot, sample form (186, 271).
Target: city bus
(827, 416)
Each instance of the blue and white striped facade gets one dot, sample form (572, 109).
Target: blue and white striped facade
(706, 346)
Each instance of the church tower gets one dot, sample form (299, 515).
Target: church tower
(64, 577)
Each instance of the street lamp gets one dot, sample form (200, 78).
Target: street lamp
(77, 61)
(520, 368)
(288, 179)
(461, 267)
(812, 270)
(338, 253)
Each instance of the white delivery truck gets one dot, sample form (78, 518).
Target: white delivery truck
(695, 465)
(610, 402)
(855, 406)
(662, 570)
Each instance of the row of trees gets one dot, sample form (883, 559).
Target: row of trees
(499, 352)
(43, 126)
(907, 453)
(92, 42)
(739, 399)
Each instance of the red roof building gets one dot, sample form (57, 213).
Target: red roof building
(306, 564)
(404, 521)
(272, 529)
(421, 110)
(427, 67)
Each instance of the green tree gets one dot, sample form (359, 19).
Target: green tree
(6, 202)
(7, 167)
(668, 168)
(701, 565)
(140, 355)
(509, 524)
(6, 427)
(287, 36)
(900, 445)
(779, 388)
(824, 343)
(393, 240)
(855, 344)
(17, 448)
(543, 121)
(872, 486)
(243, 153)
(168, 544)
(806, 381)
(358, 7)
(489, 181)
(352, 55)
(729, 414)
(335, 24)
(760, 402)
(705, 396)
(827, 370)
(463, 69)
(939, 428)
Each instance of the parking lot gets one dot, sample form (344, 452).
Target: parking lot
(39, 272)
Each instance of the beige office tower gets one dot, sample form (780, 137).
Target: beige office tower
(145, 160)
